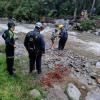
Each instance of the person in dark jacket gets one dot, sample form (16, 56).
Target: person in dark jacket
(35, 45)
(63, 35)
(10, 45)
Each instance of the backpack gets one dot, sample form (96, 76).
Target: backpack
(31, 41)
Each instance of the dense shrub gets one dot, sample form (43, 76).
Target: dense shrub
(87, 24)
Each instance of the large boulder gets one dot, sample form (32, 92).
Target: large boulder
(64, 22)
(56, 94)
(73, 92)
(60, 21)
(34, 93)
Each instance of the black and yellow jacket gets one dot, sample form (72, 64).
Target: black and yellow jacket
(9, 38)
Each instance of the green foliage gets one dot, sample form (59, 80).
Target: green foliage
(34, 10)
(2, 49)
(98, 10)
(97, 17)
(87, 24)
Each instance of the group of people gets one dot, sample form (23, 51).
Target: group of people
(84, 13)
(34, 44)
(63, 35)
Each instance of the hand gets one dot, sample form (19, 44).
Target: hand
(43, 54)
(14, 45)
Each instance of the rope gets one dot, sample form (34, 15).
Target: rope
(31, 72)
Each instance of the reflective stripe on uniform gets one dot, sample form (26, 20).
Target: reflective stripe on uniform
(5, 35)
(11, 57)
(11, 34)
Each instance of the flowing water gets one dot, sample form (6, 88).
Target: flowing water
(87, 45)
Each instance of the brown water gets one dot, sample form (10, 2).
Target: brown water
(87, 45)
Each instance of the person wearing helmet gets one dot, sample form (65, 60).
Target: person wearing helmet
(8, 36)
(35, 45)
(63, 35)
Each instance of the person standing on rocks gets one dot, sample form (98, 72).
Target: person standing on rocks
(8, 36)
(63, 35)
(53, 37)
(35, 45)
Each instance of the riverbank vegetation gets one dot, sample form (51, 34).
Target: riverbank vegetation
(33, 10)
(10, 87)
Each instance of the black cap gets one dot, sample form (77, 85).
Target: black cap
(10, 24)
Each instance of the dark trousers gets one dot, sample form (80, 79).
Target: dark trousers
(35, 56)
(10, 60)
(62, 42)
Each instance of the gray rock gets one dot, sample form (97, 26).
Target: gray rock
(90, 99)
(56, 94)
(96, 33)
(78, 70)
(87, 64)
(15, 37)
(51, 25)
(93, 95)
(45, 24)
(84, 32)
(1, 30)
(83, 87)
(73, 92)
(35, 93)
(98, 65)
(2, 42)
(57, 87)
(60, 21)
(89, 31)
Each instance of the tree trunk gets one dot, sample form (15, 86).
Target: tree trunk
(75, 12)
(92, 7)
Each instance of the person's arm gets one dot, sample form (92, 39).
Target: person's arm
(26, 42)
(42, 44)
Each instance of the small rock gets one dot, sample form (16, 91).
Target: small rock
(15, 37)
(89, 81)
(73, 92)
(98, 80)
(89, 31)
(45, 24)
(77, 70)
(35, 93)
(84, 32)
(83, 87)
(97, 33)
(93, 77)
(98, 65)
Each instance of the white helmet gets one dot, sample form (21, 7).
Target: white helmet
(39, 25)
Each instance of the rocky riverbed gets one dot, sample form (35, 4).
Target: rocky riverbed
(77, 56)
